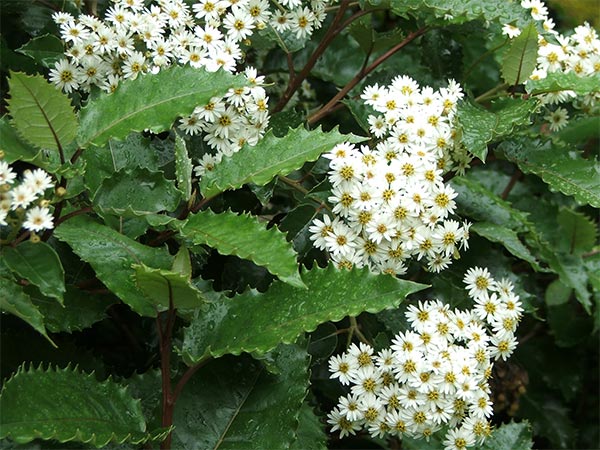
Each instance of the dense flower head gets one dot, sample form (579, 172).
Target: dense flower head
(22, 201)
(578, 53)
(390, 202)
(136, 37)
(435, 375)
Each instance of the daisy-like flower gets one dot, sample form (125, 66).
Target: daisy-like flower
(38, 219)
(7, 176)
(478, 281)
(65, 76)
(511, 31)
(557, 119)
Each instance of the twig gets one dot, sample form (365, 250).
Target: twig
(490, 93)
(511, 183)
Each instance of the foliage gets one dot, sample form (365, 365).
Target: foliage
(163, 278)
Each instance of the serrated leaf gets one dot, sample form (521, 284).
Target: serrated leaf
(480, 126)
(310, 433)
(564, 170)
(244, 236)
(510, 436)
(579, 231)
(237, 404)
(39, 264)
(46, 50)
(42, 115)
(111, 255)
(580, 129)
(13, 146)
(549, 418)
(80, 311)
(151, 101)
(508, 238)
(572, 273)
(272, 156)
(183, 168)
(161, 286)
(561, 81)
(137, 192)
(521, 58)
(255, 322)
(14, 301)
(67, 405)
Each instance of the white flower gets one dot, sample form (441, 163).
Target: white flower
(558, 119)
(7, 176)
(511, 31)
(38, 218)
(65, 76)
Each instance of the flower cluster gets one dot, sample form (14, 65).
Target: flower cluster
(24, 202)
(390, 202)
(435, 375)
(135, 38)
(578, 53)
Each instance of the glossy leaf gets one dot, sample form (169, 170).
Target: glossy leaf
(161, 286)
(41, 114)
(151, 101)
(14, 148)
(480, 126)
(560, 81)
(508, 238)
(67, 405)
(580, 129)
(39, 264)
(521, 58)
(579, 231)
(80, 311)
(565, 171)
(183, 167)
(272, 156)
(510, 436)
(237, 404)
(244, 236)
(137, 192)
(310, 433)
(14, 301)
(46, 50)
(111, 255)
(255, 322)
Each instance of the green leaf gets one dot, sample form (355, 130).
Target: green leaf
(521, 58)
(272, 156)
(67, 405)
(255, 322)
(572, 273)
(39, 264)
(580, 129)
(237, 404)
(183, 168)
(13, 146)
(310, 433)
(480, 126)
(244, 236)
(508, 238)
(80, 311)
(578, 231)
(151, 101)
(557, 293)
(42, 115)
(46, 50)
(14, 301)
(137, 192)
(564, 170)
(111, 255)
(561, 81)
(161, 286)
(549, 418)
(510, 436)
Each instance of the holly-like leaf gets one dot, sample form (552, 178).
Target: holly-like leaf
(564, 170)
(39, 264)
(183, 167)
(521, 58)
(80, 309)
(14, 148)
(561, 81)
(46, 49)
(14, 301)
(67, 405)
(162, 286)
(255, 322)
(111, 255)
(310, 432)
(480, 126)
(237, 404)
(579, 231)
(42, 115)
(151, 101)
(510, 436)
(137, 192)
(272, 156)
(508, 238)
(244, 236)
